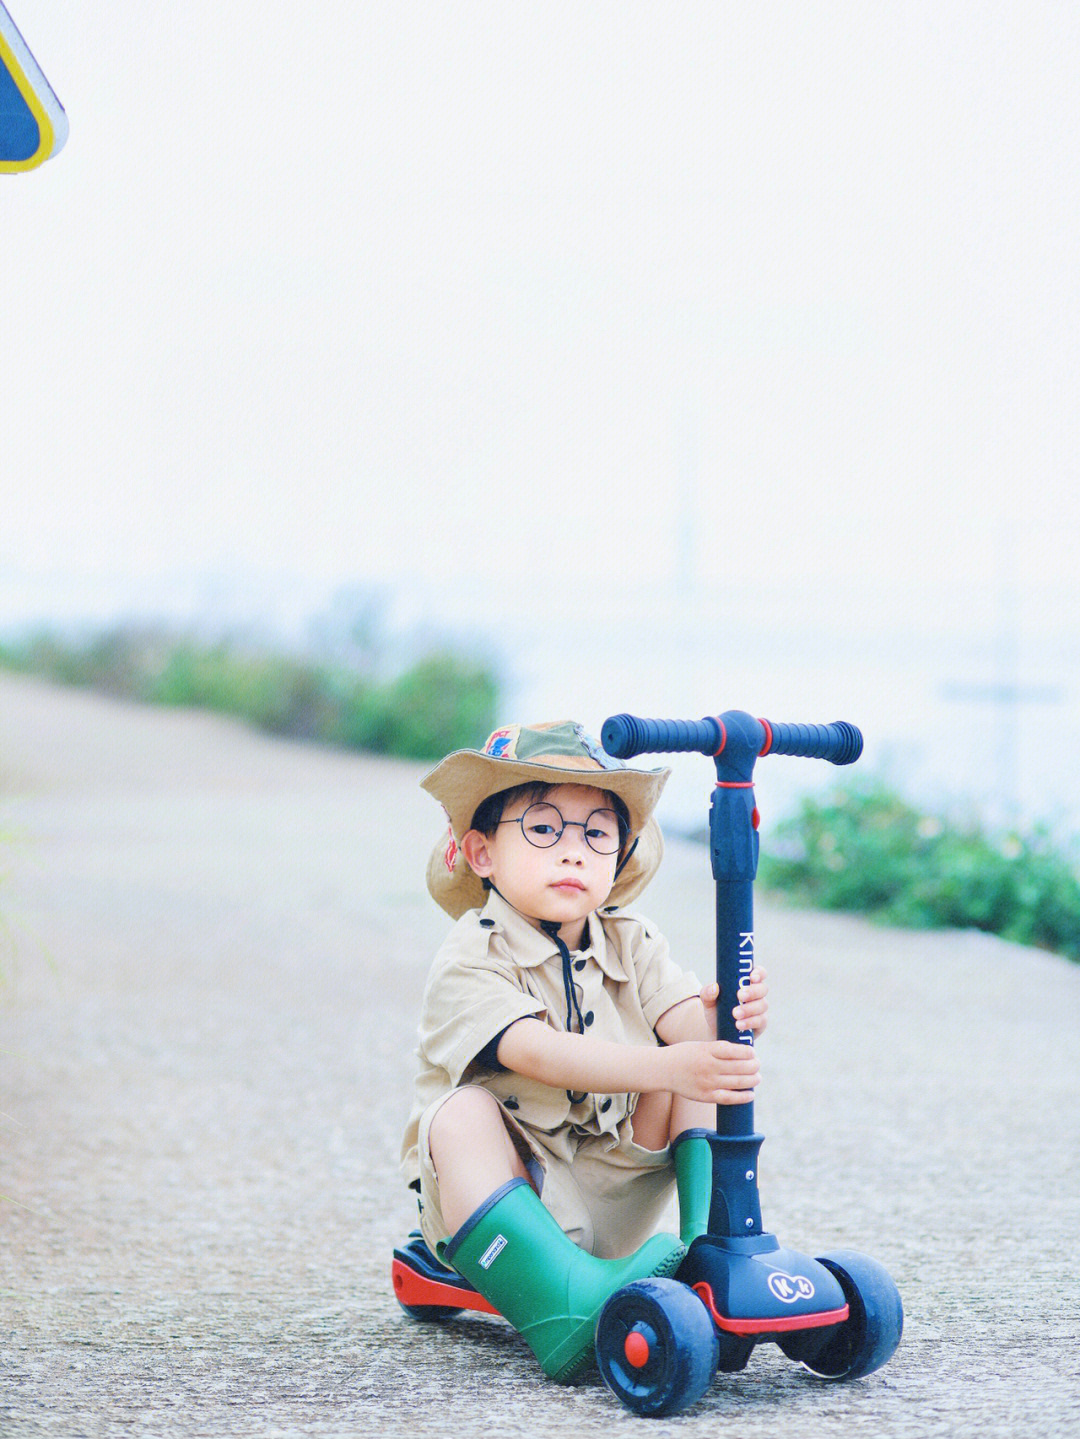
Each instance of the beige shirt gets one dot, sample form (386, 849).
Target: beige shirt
(495, 968)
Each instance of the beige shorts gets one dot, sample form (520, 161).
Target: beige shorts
(607, 1200)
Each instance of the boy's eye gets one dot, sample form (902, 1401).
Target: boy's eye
(603, 824)
(541, 824)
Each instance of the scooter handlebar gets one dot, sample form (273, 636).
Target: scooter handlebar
(626, 735)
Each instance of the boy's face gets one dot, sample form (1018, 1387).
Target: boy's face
(565, 881)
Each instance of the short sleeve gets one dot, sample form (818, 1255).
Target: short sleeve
(660, 981)
(488, 1057)
(473, 993)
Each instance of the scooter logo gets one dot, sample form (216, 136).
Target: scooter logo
(790, 1287)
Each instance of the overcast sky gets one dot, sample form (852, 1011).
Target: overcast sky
(783, 293)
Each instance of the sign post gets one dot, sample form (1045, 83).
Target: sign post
(33, 125)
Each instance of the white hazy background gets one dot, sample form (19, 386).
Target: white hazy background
(688, 356)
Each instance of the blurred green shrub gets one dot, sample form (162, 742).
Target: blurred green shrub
(444, 701)
(283, 695)
(867, 850)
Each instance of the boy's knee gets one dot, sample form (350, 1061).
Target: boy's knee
(463, 1111)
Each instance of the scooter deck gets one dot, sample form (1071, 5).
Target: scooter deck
(422, 1282)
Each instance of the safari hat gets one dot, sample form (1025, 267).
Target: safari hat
(554, 754)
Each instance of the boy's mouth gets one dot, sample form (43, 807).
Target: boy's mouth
(574, 884)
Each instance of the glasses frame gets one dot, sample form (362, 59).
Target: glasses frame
(566, 823)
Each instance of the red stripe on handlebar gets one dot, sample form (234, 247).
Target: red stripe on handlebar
(767, 746)
(723, 736)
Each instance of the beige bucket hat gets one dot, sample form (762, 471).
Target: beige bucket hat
(559, 753)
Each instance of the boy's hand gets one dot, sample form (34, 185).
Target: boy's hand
(751, 1011)
(711, 1071)
(710, 994)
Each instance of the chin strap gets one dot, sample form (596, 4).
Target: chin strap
(625, 859)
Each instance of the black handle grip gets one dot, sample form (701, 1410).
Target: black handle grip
(626, 735)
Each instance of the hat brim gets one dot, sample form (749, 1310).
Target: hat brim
(463, 780)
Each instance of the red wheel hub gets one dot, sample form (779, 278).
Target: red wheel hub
(636, 1349)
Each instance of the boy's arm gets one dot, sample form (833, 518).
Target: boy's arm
(712, 1071)
(696, 1018)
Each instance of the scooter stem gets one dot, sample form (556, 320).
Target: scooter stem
(733, 848)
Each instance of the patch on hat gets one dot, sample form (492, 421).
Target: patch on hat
(502, 742)
(552, 744)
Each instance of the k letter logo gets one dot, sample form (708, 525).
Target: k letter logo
(790, 1287)
(33, 125)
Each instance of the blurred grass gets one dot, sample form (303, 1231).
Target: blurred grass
(866, 850)
(444, 701)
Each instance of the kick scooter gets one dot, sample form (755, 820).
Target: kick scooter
(840, 1315)
(659, 1342)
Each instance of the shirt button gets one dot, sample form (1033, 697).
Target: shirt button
(605, 1105)
(589, 1017)
(579, 964)
(488, 923)
(511, 1103)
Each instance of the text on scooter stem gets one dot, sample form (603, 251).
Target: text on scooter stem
(746, 965)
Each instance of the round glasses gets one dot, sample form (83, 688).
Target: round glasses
(543, 825)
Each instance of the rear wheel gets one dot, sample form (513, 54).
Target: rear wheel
(423, 1286)
(429, 1313)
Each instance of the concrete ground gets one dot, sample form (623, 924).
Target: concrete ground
(215, 948)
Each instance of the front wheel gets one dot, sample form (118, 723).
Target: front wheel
(656, 1347)
(869, 1336)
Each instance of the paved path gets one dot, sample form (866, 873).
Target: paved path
(205, 1034)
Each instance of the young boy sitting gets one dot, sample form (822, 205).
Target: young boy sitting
(561, 1049)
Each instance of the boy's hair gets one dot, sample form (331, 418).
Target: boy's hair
(490, 811)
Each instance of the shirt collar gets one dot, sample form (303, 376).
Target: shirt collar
(532, 947)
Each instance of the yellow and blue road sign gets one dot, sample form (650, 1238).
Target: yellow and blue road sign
(33, 125)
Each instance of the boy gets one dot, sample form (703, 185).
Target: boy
(561, 1049)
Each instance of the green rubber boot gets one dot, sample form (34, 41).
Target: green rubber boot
(515, 1254)
(693, 1181)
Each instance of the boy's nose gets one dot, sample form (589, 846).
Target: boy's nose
(572, 841)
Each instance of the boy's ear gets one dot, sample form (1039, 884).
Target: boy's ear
(474, 846)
